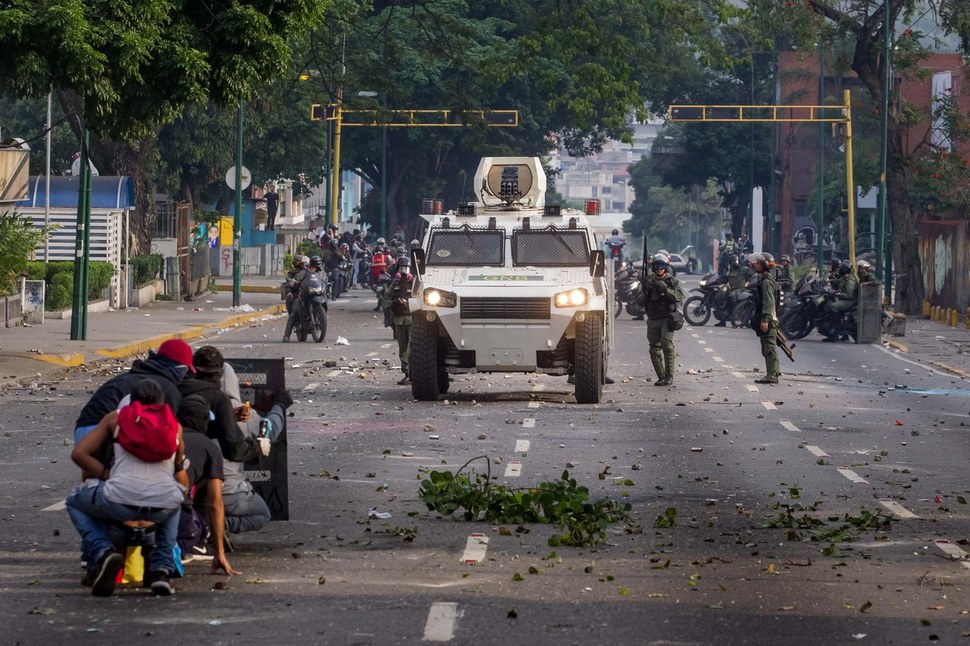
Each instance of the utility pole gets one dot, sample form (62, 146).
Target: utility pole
(237, 216)
(82, 245)
(884, 252)
(820, 198)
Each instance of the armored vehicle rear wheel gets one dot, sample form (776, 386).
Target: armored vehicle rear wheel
(425, 374)
(590, 366)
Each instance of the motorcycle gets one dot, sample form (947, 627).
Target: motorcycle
(809, 311)
(711, 299)
(626, 288)
(338, 279)
(313, 322)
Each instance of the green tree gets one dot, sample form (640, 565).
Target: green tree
(862, 23)
(18, 240)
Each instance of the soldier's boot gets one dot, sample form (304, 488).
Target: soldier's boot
(658, 367)
(290, 321)
(669, 370)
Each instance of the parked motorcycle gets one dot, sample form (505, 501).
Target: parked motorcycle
(808, 311)
(711, 298)
(626, 288)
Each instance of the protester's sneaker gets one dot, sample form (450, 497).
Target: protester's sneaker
(104, 579)
(161, 586)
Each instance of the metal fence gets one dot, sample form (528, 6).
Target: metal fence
(944, 250)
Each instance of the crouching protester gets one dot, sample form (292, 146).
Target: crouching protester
(145, 482)
(246, 511)
(204, 469)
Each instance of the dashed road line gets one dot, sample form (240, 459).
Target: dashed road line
(737, 375)
(952, 550)
(522, 446)
(817, 451)
(852, 475)
(529, 422)
(385, 346)
(751, 388)
(311, 387)
(475, 548)
(440, 626)
(695, 335)
(534, 404)
(371, 354)
(718, 359)
(702, 342)
(788, 426)
(513, 469)
(60, 505)
(334, 373)
(897, 509)
(708, 349)
(538, 388)
(768, 406)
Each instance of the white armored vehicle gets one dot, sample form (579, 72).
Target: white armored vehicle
(510, 284)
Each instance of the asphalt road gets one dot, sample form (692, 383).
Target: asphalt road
(869, 451)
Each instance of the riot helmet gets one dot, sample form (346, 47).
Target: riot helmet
(660, 262)
(316, 262)
(845, 268)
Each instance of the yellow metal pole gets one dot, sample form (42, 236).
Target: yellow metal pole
(335, 187)
(848, 177)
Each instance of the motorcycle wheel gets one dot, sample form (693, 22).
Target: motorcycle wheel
(696, 311)
(619, 309)
(796, 324)
(743, 311)
(319, 323)
(301, 333)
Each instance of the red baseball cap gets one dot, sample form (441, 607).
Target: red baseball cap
(177, 350)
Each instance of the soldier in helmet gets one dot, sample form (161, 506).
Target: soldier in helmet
(396, 297)
(662, 293)
(784, 276)
(765, 319)
(294, 281)
(845, 300)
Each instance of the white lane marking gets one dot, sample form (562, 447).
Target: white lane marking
(768, 406)
(817, 451)
(737, 375)
(513, 469)
(522, 446)
(695, 335)
(538, 388)
(954, 551)
(897, 509)
(475, 548)
(718, 359)
(708, 349)
(334, 373)
(60, 505)
(371, 354)
(751, 388)
(791, 427)
(852, 475)
(387, 345)
(309, 388)
(895, 355)
(703, 342)
(440, 626)
(529, 422)
(535, 404)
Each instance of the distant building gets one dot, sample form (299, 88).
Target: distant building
(604, 176)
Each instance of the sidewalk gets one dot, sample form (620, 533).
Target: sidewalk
(938, 346)
(35, 351)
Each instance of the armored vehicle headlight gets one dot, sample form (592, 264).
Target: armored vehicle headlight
(440, 298)
(572, 298)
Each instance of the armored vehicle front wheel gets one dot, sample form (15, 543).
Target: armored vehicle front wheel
(590, 366)
(425, 373)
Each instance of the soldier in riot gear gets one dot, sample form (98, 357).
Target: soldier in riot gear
(765, 319)
(662, 294)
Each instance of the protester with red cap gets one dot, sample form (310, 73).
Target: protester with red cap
(167, 367)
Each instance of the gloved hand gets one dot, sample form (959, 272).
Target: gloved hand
(264, 446)
(283, 398)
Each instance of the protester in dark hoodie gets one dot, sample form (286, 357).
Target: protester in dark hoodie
(235, 446)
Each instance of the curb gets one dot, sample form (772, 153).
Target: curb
(252, 289)
(138, 347)
(947, 367)
(66, 360)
